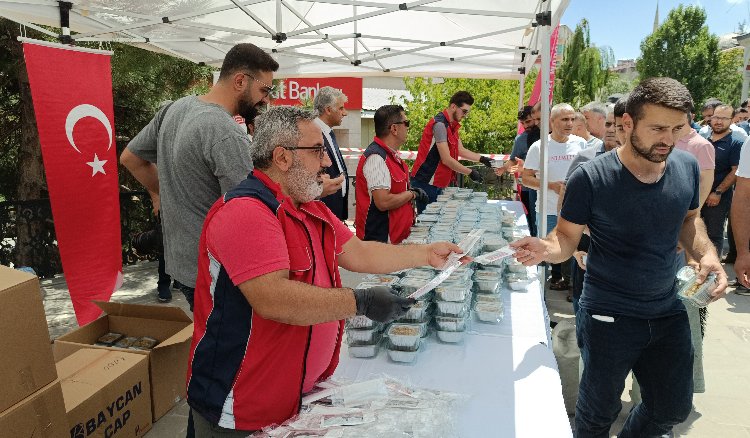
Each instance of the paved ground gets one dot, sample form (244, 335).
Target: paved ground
(721, 412)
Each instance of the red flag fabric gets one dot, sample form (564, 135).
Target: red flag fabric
(72, 95)
(537, 90)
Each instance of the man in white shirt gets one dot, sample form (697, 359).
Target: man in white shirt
(562, 147)
(741, 221)
(329, 103)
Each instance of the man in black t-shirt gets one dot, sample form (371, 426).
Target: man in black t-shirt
(638, 202)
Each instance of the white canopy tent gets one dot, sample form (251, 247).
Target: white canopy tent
(491, 39)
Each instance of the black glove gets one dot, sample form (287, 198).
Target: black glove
(476, 176)
(379, 303)
(420, 195)
(486, 161)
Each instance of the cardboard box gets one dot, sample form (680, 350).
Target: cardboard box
(167, 361)
(41, 415)
(106, 393)
(26, 362)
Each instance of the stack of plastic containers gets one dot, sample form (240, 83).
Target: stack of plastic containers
(468, 290)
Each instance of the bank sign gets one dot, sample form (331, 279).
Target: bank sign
(292, 91)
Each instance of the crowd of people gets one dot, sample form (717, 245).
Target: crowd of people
(254, 232)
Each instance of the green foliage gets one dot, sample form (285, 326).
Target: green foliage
(490, 127)
(619, 84)
(584, 69)
(141, 80)
(683, 49)
(728, 77)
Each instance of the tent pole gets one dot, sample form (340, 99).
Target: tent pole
(278, 16)
(65, 8)
(521, 89)
(545, 27)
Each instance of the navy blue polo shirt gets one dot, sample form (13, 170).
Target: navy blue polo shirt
(727, 155)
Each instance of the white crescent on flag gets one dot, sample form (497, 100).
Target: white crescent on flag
(81, 111)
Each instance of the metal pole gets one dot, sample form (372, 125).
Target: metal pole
(521, 92)
(544, 129)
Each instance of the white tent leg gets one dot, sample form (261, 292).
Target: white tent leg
(521, 94)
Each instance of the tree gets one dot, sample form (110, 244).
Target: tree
(683, 49)
(584, 70)
(728, 76)
(491, 125)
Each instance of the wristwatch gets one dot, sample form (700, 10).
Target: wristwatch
(718, 192)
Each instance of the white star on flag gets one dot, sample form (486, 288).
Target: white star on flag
(97, 165)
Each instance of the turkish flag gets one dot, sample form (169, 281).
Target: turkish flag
(72, 94)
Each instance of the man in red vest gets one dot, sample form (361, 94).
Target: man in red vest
(269, 306)
(437, 157)
(384, 201)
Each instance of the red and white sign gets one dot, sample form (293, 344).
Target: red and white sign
(293, 90)
(72, 95)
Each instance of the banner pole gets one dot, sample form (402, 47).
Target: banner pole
(64, 46)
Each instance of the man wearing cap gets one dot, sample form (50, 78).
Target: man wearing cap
(269, 306)
(384, 200)
(437, 157)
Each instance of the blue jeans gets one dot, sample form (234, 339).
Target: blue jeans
(528, 197)
(551, 224)
(432, 193)
(660, 353)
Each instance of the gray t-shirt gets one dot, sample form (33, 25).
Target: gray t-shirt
(439, 133)
(200, 152)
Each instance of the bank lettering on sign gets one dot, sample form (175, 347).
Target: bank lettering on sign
(293, 91)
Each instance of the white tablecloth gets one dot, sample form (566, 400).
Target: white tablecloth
(508, 370)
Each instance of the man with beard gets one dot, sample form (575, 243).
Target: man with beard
(193, 151)
(269, 306)
(437, 157)
(638, 203)
(727, 146)
(385, 212)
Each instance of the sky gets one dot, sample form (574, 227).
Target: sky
(623, 24)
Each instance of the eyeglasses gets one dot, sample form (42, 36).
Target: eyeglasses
(268, 89)
(720, 118)
(403, 122)
(465, 110)
(321, 150)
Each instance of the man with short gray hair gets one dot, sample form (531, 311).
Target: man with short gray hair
(596, 115)
(580, 128)
(329, 102)
(269, 305)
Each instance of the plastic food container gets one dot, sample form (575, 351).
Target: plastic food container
(493, 242)
(489, 312)
(451, 293)
(450, 323)
(487, 298)
(404, 335)
(363, 350)
(420, 311)
(699, 295)
(403, 354)
(487, 281)
(426, 273)
(409, 285)
(382, 279)
(451, 308)
(360, 322)
(450, 337)
(514, 265)
(363, 335)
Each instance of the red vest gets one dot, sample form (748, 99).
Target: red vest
(428, 168)
(371, 223)
(261, 362)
